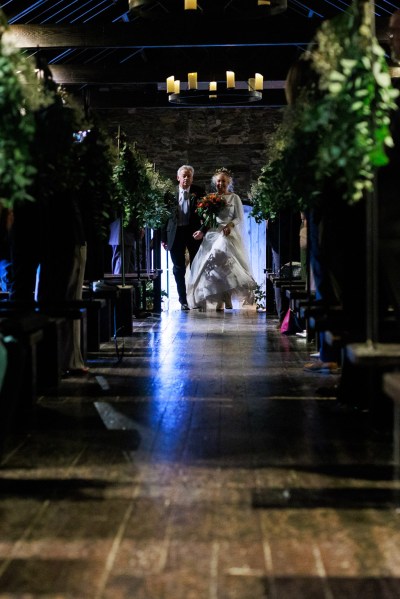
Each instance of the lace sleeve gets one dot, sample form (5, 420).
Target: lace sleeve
(240, 231)
(238, 214)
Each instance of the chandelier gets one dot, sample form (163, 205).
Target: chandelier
(240, 9)
(192, 4)
(214, 92)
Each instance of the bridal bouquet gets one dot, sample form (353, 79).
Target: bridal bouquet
(209, 207)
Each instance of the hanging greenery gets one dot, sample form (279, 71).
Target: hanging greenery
(55, 155)
(354, 112)
(22, 93)
(140, 189)
(338, 132)
(273, 190)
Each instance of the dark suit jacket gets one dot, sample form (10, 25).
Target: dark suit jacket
(169, 230)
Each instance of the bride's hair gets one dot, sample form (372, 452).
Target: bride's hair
(222, 171)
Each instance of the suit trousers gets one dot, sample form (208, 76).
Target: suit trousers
(72, 354)
(183, 240)
(116, 259)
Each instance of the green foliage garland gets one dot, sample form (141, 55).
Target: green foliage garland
(21, 94)
(354, 112)
(140, 189)
(273, 190)
(55, 155)
(337, 132)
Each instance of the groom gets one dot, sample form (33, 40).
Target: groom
(183, 229)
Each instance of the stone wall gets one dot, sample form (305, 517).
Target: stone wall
(236, 138)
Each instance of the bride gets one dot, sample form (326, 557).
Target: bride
(221, 267)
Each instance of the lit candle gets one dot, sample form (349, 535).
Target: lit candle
(259, 83)
(212, 86)
(192, 80)
(170, 85)
(190, 4)
(177, 86)
(230, 79)
(251, 84)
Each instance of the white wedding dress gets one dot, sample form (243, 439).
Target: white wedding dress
(221, 264)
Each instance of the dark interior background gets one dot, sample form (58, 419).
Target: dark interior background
(114, 56)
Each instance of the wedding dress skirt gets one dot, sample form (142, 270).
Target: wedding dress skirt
(220, 266)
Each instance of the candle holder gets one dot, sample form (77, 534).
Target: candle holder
(208, 98)
(214, 92)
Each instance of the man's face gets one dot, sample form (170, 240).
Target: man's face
(185, 179)
(394, 36)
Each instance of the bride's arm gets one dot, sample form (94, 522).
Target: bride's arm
(237, 217)
(238, 213)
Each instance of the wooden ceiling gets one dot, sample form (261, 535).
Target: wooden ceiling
(118, 55)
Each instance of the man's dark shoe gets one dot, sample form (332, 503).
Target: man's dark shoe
(185, 307)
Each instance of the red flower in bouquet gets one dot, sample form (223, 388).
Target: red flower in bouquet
(209, 207)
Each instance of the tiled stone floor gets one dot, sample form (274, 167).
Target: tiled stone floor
(202, 465)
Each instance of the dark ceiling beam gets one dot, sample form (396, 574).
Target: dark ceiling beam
(279, 32)
(131, 35)
(94, 75)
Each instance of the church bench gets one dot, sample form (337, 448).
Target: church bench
(48, 356)
(381, 355)
(140, 279)
(298, 295)
(21, 334)
(373, 361)
(328, 319)
(281, 282)
(69, 310)
(93, 307)
(391, 387)
(116, 318)
(300, 292)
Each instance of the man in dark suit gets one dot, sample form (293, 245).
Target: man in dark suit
(183, 229)
(133, 235)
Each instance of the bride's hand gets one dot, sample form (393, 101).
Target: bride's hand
(227, 230)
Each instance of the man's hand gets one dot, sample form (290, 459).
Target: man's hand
(164, 244)
(197, 235)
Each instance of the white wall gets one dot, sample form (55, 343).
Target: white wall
(256, 243)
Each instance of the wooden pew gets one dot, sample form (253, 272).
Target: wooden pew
(140, 279)
(297, 297)
(21, 334)
(49, 353)
(116, 321)
(391, 386)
